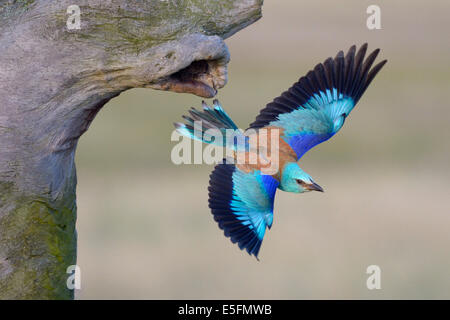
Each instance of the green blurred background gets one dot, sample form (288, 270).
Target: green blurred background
(144, 227)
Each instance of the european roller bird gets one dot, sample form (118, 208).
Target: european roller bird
(241, 195)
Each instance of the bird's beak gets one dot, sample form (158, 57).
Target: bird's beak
(315, 187)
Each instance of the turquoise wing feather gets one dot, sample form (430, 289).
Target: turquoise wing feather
(315, 108)
(242, 204)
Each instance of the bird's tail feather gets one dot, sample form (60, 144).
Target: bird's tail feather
(212, 126)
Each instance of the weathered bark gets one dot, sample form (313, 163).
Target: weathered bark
(53, 81)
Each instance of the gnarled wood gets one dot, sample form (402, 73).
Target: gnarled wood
(53, 81)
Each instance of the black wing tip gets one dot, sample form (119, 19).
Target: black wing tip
(364, 46)
(351, 51)
(382, 63)
(356, 70)
(378, 66)
(349, 73)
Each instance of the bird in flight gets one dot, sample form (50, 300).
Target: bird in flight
(241, 195)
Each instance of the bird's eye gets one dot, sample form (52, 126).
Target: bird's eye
(302, 183)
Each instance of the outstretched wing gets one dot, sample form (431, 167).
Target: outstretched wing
(315, 107)
(242, 204)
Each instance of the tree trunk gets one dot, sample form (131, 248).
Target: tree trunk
(54, 80)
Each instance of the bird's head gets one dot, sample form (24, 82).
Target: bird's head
(294, 179)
